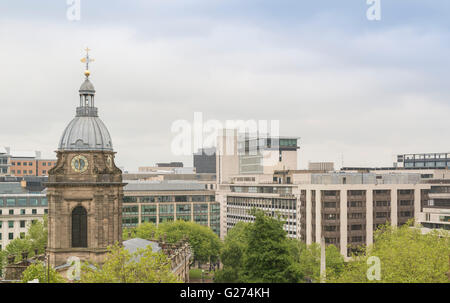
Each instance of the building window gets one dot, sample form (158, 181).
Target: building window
(148, 209)
(10, 202)
(79, 227)
(11, 211)
(33, 201)
(22, 223)
(22, 201)
(44, 163)
(22, 211)
(34, 211)
(44, 201)
(11, 236)
(45, 210)
(10, 224)
(180, 198)
(22, 235)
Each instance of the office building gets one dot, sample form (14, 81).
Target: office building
(18, 208)
(28, 163)
(427, 160)
(164, 201)
(239, 154)
(205, 161)
(5, 161)
(343, 207)
(324, 166)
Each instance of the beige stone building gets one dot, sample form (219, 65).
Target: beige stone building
(344, 208)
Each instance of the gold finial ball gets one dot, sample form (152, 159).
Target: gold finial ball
(87, 73)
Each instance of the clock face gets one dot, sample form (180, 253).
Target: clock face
(79, 164)
(109, 161)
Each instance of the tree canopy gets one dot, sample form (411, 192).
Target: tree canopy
(121, 266)
(258, 252)
(406, 256)
(204, 242)
(41, 272)
(34, 239)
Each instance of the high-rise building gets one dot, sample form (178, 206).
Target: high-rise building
(205, 161)
(85, 188)
(244, 154)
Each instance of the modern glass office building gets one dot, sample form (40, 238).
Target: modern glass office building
(164, 201)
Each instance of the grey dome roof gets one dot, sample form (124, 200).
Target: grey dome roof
(86, 133)
(87, 86)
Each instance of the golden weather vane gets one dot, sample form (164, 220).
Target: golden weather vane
(87, 60)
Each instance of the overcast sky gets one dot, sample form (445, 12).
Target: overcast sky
(352, 89)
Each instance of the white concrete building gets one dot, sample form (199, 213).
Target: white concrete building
(18, 208)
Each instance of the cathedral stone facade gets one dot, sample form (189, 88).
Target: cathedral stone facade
(84, 189)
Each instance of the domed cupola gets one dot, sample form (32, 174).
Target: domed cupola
(86, 132)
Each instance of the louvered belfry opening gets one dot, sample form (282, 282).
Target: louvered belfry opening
(79, 227)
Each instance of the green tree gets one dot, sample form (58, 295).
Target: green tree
(121, 266)
(406, 256)
(259, 252)
(267, 256)
(232, 253)
(41, 272)
(309, 259)
(204, 242)
(35, 239)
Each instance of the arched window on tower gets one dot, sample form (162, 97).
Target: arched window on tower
(79, 227)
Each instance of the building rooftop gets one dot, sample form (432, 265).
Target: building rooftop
(134, 244)
(172, 185)
(12, 188)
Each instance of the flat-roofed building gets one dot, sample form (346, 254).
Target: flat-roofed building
(253, 154)
(5, 161)
(164, 201)
(326, 166)
(29, 163)
(18, 208)
(204, 160)
(425, 160)
(435, 211)
(344, 208)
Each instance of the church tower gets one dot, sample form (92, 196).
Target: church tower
(85, 187)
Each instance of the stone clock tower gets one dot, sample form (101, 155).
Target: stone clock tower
(85, 187)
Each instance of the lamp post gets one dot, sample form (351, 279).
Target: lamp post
(47, 257)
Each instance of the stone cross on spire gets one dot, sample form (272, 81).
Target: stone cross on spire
(87, 60)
